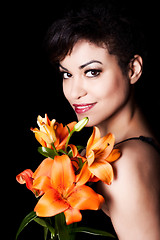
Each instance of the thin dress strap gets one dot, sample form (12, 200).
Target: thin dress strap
(144, 139)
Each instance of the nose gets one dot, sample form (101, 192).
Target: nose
(78, 89)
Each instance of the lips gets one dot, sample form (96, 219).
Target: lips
(82, 108)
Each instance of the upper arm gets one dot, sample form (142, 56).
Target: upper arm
(133, 197)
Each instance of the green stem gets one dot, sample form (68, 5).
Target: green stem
(62, 231)
(78, 127)
(69, 136)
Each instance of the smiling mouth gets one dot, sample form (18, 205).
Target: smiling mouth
(82, 108)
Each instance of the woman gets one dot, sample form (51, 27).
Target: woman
(100, 56)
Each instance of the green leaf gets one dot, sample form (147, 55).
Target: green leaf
(61, 151)
(91, 231)
(44, 223)
(68, 129)
(81, 163)
(80, 147)
(47, 152)
(30, 217)
(70, 153)
(45, 233)
(51, 229)
(40, 221)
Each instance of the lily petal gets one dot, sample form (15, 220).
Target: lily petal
(50, 133)
(62, 175)
(42, 183)
(105, 145)
(103, 170)
(71, 125)
(44, 168)
(114, 155)
(83, 176)
(26, 177)
(62, 133)
(90, 157)
(41, 135)
(72, 215)
(84, 197)
(74, 150)
(93, 139)
(50, 204)
(38, 137)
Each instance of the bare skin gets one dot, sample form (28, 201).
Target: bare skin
(92, 76)
(132, 200)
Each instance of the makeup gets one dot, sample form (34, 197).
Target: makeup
(82, 108)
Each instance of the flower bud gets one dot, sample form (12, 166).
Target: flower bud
(81, 124)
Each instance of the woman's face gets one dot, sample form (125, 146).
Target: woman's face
(93, 82)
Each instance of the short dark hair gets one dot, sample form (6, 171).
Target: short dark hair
(102, 23)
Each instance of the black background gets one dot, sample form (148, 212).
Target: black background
(37, 88)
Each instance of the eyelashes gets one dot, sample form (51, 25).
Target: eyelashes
(66, 75)
(93, 72)
(90, 73)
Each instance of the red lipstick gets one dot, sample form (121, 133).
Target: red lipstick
(82, 108)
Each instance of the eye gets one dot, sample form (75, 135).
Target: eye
(93, 73)
(66, 75)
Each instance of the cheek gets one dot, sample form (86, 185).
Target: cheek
(66, 90)
(111, 96)
(111, 89)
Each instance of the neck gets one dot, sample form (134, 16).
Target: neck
(121, 122)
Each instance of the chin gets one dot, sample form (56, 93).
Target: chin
(93, 121)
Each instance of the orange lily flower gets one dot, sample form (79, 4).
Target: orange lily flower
(62, 134)
(51, 132)
(26, 177)
(100, 154)
(46, 135)
(76, 158)
(63, 194)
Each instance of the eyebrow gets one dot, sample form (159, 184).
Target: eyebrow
(88, 63)
(82, 66)
(63, 67)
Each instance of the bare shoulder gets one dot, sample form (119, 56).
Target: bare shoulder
(139, 158)
(133, 197)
